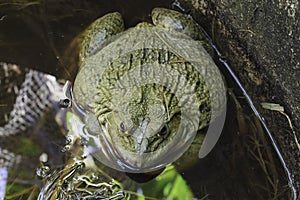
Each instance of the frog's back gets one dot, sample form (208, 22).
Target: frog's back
(137, 42)
(141, 80)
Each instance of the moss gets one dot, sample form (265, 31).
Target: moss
(28, 148)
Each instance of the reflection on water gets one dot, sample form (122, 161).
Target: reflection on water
(243, 165)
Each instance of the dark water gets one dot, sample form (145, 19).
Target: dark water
(243, 164)
(43, 30)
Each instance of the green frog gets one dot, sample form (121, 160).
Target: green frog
(144, 93)
(141, 98)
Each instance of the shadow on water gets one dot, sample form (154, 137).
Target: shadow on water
(243, 165)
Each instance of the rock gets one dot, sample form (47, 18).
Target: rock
(260, 40)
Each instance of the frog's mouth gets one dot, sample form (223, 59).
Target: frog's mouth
(123, 159)
(139, 161)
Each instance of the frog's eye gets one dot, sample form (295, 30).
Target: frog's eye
(163, 130)
(122, 127)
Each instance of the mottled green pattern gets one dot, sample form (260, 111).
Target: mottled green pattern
(150, 88)
(140, 106)
(98, 32)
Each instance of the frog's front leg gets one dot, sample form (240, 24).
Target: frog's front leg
(98, 32)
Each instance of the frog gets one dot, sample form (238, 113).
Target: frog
(142, 97)
(144, 93)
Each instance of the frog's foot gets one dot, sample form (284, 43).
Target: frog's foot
(173, 20)
(98, 32)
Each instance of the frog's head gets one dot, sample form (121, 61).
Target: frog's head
(141, 126)
(137, 130)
